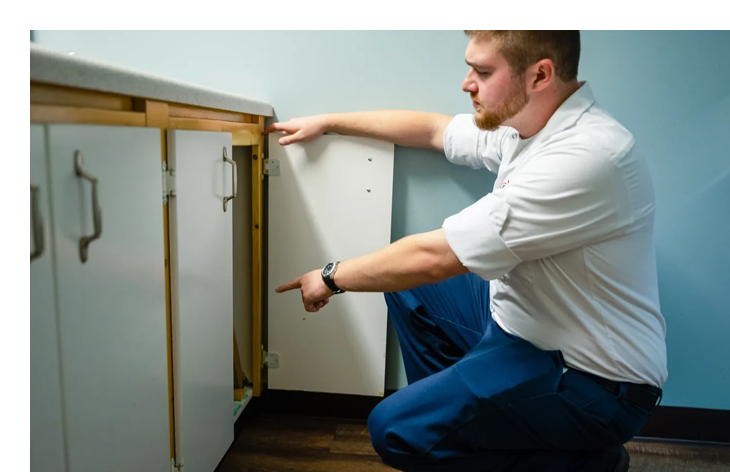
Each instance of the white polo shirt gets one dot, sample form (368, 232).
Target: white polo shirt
(566, 239)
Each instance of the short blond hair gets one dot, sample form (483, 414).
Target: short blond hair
(521, 49)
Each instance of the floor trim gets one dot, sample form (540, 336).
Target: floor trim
(668, 422)
(688, 424)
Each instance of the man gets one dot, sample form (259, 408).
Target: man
(529, 323)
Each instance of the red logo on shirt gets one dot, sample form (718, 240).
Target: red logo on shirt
(504, 183)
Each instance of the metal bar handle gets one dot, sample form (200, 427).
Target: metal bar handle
(38, 235)
(86, 240)
(234, 180)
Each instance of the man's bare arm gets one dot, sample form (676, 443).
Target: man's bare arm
(405, 128)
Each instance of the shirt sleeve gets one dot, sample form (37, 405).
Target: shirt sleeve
(556, 203)
(466, 144)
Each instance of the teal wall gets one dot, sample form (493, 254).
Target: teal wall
(669, 88)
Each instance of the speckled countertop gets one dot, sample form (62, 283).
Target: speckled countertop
(54, 67)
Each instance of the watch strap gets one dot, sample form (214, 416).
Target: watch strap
(330, 280)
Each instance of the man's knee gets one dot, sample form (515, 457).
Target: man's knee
(378, 423)
(396, 451)
(383, 429)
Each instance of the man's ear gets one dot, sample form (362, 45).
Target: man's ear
(541, 75)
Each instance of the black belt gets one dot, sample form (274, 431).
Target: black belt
(646, 396)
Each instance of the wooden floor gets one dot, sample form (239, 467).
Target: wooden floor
(296, 444)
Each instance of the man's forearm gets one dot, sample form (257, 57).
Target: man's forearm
(404, 128)
(412, 261)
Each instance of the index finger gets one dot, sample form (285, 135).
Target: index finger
(273, 127)
(296, 283)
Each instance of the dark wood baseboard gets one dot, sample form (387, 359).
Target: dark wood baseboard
(313, 404)
(688, 424)
(667, 423)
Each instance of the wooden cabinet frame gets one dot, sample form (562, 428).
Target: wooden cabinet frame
(60, 104)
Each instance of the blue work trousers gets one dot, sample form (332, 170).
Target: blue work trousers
(480, 399)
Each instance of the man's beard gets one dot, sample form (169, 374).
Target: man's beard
(517, 100)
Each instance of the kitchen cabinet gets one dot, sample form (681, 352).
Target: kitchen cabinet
(165, 220)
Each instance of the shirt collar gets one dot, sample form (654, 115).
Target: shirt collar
(568, 113)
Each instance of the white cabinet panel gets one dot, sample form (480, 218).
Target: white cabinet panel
(47, 453)
(331, 201)
(201, 266)
(112, 307)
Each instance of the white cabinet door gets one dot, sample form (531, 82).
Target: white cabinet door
(201, 268)
(112, 306)
(331, 201)
(47, 453)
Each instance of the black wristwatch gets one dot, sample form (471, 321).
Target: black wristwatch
(328, 276)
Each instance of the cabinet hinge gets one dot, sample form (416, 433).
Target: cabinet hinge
(271, 359)
(272, 167)
(168, 183)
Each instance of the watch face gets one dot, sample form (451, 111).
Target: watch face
(328, 269)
